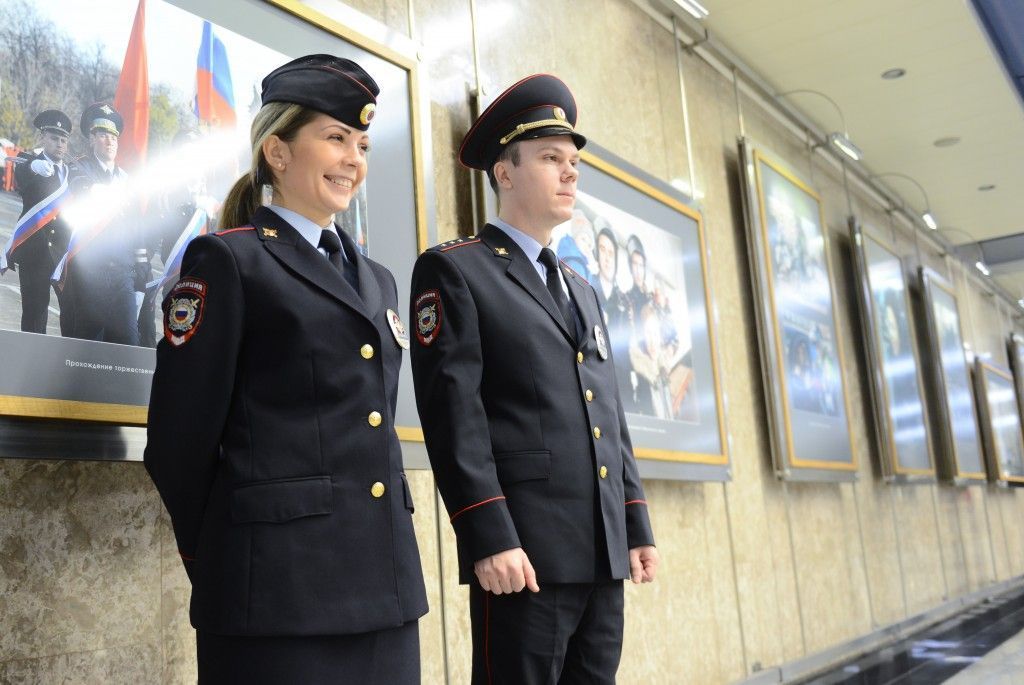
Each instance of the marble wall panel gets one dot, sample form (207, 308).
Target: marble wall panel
(425, 519)
(113, 665)
(671, 624)
(178, 638)
(976, 536)
(79, 558)
(920, 547)
(880, 534)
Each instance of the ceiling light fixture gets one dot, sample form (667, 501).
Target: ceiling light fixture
(894, 73)
(693, 8)
(926, 215)
(839, 140)
(845, 145)
(980, 266)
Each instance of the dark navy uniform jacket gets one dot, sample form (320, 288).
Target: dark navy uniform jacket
(46, 247)
(272, 441)
(524, 428)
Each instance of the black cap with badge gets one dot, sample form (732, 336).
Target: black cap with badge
(536, 107)
(53, 120)
(102, 117)
(333, 85)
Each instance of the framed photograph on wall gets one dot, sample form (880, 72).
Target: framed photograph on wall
(641, 245)
(890, 346)
(1015, 353)
(801, 352)
(177, 83)
(999, 413)
(960, 455)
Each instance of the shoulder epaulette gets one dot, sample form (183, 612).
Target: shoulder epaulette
(572, 271)
(458, 242)
(234, 230)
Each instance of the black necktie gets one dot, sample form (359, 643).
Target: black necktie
(550, 261)
(331, 244)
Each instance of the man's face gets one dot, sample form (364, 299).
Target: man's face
(638, 267)
(543, 184)
(104, 145)
(606, 257)
(55, 145)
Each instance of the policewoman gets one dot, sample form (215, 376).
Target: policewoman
(516, 388)
(271, 419)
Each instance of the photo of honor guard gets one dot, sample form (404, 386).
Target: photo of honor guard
(40, 237)
(271, 419)
(107, 262)
(517, 393)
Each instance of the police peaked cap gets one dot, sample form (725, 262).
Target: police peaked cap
(53, 120)
(333, 85)
(633, 244)
(537, 107)
(103, 117)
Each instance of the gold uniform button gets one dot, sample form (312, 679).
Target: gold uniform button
(374, 419)
(603, 472)
(589, 395)
(377, 489)
(579, 357)
(597, 432)
(366, 351)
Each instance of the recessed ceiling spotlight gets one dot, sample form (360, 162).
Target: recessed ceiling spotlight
(948, 141)
(892, 74)
(987, 187)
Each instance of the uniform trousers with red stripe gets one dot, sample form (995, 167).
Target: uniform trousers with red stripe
(565, 634)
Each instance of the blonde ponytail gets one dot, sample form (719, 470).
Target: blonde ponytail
(281, 119)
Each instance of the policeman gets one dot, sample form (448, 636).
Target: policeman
(41, 235)
(107, 261)
(272, 413)
(637, 298)
(520, 408)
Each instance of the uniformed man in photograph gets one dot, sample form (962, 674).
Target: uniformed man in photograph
(637, 298)
(40, 237)
(108, 261)
(517, 393)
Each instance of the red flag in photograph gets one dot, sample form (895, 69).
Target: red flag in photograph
(132, 97)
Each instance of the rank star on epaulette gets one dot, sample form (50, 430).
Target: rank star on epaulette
(269, 232)
(502, 251)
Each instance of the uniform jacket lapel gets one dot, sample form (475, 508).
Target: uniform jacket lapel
(298, 256)
(369, 287)
(585, 304)
(523, 272)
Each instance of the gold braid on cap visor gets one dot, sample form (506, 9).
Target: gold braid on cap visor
(523, 128)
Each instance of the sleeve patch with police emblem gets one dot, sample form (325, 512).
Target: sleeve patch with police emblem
(184, 310)
(428, 317)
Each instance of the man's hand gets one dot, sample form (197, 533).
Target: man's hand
(643, 563)
(42, 167)
(507, 572)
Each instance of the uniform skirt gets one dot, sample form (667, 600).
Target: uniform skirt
(389, 656)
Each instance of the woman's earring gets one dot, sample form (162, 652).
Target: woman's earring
(266, 195)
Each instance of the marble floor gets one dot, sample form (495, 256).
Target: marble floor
(982, 645)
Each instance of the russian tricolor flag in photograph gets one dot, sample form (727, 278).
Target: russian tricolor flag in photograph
(215, 95)
(198, 225)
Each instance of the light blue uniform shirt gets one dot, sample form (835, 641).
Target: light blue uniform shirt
(308, 229)
(532, 250)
